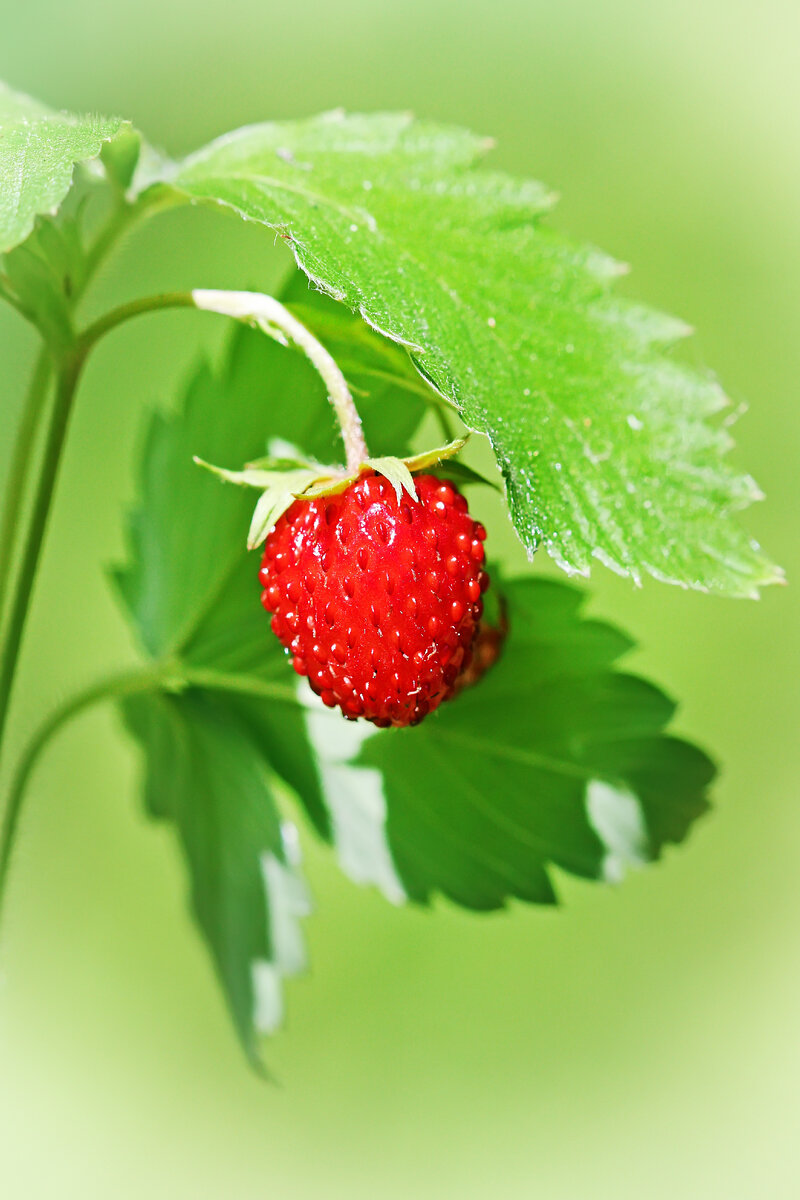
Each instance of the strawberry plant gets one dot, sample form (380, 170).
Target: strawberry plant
(448, 730)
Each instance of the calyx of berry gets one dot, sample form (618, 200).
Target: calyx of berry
(285, 476)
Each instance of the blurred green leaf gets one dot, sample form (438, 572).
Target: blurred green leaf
(210, 779)
(602, 438)
(554, 758)
(38, 152)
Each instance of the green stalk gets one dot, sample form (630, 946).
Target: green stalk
(114, 688)
(20, 461)
(62, 407)
(134, 308)
(23, 454)
(274, 319)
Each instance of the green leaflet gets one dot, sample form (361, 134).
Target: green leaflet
(38, 152)
(210, 779)
(554, 758)
(602, 436)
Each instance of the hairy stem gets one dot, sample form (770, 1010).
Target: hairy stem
(274, 319)
(113, 688)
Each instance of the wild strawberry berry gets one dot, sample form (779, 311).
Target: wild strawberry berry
(377, 599)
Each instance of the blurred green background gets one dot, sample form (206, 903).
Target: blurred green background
(639, 1042)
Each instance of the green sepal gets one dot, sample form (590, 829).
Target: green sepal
(280, 485)
(430, 458)
(282, 480)
(397, 472)
(280, 494)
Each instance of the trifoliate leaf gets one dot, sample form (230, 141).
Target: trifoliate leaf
(38, 152)
(603, 437)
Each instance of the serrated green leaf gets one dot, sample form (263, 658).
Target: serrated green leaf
(208, 777)
(38, 152)
(554, 758)
(603, 439)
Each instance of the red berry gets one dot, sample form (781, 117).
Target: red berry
(377, 599)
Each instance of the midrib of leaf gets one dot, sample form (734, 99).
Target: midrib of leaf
(183, 639)
(274, 184)
(477, 855)
(527, 758)
(244, 685)
(475, 798)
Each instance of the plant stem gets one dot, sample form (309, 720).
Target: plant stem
(62, 406)
(243, 685)
(22, 456)
(115, 687)
(18, 471)
(134, 308)
(273, 318)
(121, 220)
